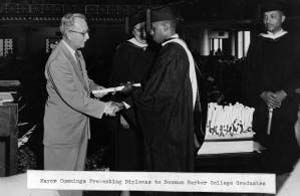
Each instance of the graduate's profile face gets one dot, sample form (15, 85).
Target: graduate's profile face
(273, 20)
(139, 32)
(158, 31)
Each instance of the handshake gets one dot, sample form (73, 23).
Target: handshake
(111, 108)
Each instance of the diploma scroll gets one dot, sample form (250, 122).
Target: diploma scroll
(113, 89)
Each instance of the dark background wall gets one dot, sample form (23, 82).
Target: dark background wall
(29, 58)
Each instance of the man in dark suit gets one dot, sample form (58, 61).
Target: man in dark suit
(68, 107)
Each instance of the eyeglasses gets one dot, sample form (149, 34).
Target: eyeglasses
(82, 33)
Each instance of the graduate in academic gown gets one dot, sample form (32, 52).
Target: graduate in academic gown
(271, 78)
(168, 102)
(132, 61)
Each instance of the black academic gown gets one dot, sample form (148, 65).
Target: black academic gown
(166, 114)
(130, 63)
(273, 65)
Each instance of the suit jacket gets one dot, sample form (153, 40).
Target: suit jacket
(68, 107)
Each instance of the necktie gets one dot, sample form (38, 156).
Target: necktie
(77, 56)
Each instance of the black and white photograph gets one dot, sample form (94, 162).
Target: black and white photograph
(149, 98)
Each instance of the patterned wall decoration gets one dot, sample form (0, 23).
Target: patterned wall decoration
(6, 47)
(98, 13)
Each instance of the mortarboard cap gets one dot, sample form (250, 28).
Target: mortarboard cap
(137, 18)
(272, 5)
(161, 14)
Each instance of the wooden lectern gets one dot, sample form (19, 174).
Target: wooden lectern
(8, 139)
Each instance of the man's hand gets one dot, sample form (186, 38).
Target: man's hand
(98, 87)
(112, 108)
(281, 95)
(271, 99)
(258, 147)
(128, 87)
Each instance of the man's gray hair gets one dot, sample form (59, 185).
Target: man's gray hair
(67, 21)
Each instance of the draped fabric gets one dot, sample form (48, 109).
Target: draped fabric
(165, 112)
(273, 65)
(131, 63)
